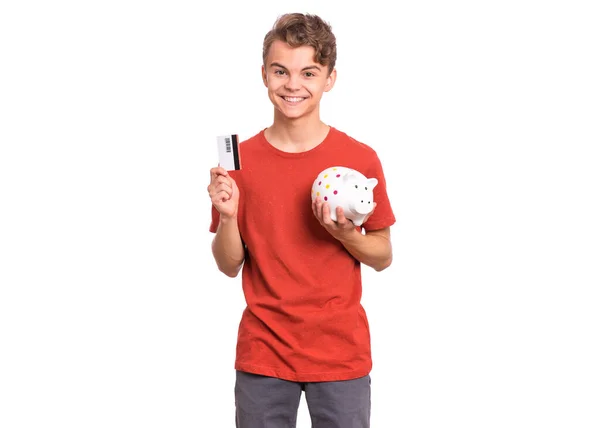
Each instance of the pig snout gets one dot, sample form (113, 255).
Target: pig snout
(363, 204)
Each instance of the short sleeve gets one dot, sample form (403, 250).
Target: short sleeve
(383, 216)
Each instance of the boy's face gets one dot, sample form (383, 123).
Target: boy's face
(295, 82)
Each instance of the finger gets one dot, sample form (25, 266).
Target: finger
(216, 184)
(326, 213)
(314, 208)
(223, 179)
(217, 171)
(232, 182)
(341, 218)
(226, 187)
(223, 182)
(219, 181)
(216, 188)
(220, 170)
(220, 197)
(319, 207)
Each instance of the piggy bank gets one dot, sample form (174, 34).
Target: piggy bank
(347, 188)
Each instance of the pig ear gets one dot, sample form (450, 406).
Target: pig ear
(372, 182)
(350, 175)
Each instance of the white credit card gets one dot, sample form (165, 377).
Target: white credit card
(229, 152)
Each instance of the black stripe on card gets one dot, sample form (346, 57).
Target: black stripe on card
(236, 153)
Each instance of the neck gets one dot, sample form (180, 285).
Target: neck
(296, 135)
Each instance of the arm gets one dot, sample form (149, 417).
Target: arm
(373, 249)
(227, 247)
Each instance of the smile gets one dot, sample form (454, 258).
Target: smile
(293, 99)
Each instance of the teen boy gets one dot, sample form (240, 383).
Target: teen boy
(304, 328)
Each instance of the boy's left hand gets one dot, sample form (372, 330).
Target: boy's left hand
(338, 229)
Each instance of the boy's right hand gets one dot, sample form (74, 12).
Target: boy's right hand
(223, 192)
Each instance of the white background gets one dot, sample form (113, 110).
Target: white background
(486, 118)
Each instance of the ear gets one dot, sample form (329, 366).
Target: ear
(330, 80)
(264, 75)
(350, 175)
(372, 182)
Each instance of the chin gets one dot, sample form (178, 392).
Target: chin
(295, 113)
(293, 116)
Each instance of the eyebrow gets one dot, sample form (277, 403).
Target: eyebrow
(310, 67)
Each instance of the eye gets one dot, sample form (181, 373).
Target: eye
(309, 74)
(280, 72)
(356, 185)
(365, 188)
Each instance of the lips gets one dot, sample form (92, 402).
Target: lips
(293, 100)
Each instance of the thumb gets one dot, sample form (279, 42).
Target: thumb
(234, 185)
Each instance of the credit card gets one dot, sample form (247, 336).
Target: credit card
(229, 152)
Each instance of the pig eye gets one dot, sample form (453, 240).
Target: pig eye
(366, 188)
(361, 202)
(356, 185)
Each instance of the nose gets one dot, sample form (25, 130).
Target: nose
(293, 83)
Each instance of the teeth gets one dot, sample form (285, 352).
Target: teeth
(293, 99)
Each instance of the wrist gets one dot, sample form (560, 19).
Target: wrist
(351, 236)
(225, 220)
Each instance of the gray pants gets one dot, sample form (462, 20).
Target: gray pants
(267, 402)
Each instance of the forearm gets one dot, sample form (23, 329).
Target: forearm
(372, 250)
(227, 247)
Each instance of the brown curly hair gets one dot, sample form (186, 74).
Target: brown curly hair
(297, 29)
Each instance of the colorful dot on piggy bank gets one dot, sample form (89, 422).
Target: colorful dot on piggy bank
(347, 188)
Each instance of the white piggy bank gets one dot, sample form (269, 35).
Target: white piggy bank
(347, 188)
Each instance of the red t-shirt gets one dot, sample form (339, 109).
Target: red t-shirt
(304, 321)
